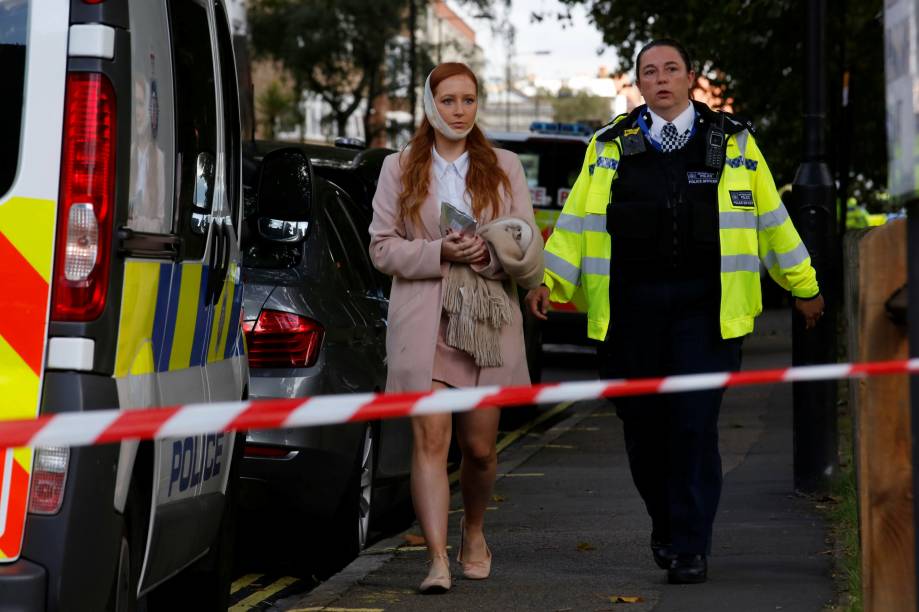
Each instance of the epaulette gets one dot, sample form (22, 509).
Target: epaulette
(619, 124)
(734, 124)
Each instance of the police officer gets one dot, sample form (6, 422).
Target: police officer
(664, 232)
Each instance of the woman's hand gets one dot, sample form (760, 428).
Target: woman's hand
(811, 310)
(463, 249)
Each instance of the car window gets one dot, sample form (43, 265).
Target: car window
(347, 246)
(196, 122)
(13, 28)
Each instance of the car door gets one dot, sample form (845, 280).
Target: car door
(188, 467)
(225, 369)
(393, 459)
(345, 251)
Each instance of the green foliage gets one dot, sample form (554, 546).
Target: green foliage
(346, 51)
(581, 107)
(755, 49)
(842, 513)
(334, 48)
(277, 108)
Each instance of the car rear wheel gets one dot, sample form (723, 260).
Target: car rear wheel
(351, 524)
(365, 496)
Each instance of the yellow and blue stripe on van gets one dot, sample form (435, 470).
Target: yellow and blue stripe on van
(175, 330)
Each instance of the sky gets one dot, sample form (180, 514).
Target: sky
(573, 49)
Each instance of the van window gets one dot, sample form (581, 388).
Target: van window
(152, 128)
(13, 28)
(196, 123)
(551, 167)
(530, 163)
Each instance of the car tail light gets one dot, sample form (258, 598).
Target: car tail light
(282, 340)
(266, 452)
(84, 224)
(49, 475)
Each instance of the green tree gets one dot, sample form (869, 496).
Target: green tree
(339, 49)
(754, 48)
(333, 48)
(277, 107)
(581, 107)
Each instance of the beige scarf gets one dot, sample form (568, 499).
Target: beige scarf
(479, 308)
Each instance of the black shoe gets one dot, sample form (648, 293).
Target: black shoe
(688, 569)
(663, 556)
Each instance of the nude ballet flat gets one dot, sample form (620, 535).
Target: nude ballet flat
(473, 570)
(436, 583)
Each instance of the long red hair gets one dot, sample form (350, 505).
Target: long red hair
(484, 177)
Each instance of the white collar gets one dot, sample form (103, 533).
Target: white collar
(441, 166)
(682, 122)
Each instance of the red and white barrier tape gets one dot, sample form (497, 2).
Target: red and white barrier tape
(104, 426)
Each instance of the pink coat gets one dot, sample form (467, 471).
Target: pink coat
(411, 255)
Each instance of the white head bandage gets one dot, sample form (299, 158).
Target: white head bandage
(433, 115)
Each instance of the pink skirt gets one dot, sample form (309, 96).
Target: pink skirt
(453, 367)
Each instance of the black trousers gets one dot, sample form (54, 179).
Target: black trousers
(661, 328)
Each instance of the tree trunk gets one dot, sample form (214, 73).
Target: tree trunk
(373, 90)
(413, 57)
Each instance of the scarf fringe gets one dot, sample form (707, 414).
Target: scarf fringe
(477, 309)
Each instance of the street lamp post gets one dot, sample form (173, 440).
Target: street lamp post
(815, 426)
(509, 82)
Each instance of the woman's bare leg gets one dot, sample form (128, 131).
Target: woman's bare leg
(476, 434)
(430, 485)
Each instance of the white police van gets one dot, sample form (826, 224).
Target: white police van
(119, 214)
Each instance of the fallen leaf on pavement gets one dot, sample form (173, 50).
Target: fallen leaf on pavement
(412, 539)
(625, 599)
(498, 498)
(585, 546)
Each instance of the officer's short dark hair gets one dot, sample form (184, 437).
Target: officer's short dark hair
(663, 42)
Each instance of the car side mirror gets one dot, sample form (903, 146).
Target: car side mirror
(280, 230)
(284, 196)
(205, 171)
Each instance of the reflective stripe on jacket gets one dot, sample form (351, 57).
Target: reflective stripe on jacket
(751, 230)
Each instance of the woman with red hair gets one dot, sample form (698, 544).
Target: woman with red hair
(438, 277)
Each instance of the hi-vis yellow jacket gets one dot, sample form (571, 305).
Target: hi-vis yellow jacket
(578, 251)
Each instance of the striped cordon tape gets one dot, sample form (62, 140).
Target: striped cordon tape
(106, 426)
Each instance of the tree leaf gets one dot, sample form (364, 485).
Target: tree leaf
(625, 599)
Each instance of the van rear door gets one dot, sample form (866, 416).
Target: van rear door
(31, 111)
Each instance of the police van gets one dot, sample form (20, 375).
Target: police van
(551, 155)
(119, 215)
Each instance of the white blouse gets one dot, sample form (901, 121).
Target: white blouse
(451, 181)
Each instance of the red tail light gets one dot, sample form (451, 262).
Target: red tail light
(266, 452)
(282, 340)
(49, 475)
(84, 223)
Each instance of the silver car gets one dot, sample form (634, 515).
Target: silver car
(315, 323)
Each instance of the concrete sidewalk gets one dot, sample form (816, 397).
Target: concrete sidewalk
(569, 532)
